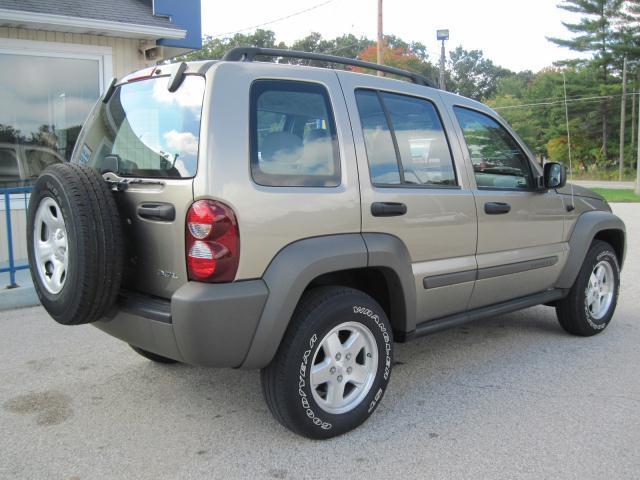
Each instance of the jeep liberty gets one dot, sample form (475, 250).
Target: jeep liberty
(300, 220)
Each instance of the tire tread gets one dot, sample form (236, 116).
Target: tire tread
(273, 376)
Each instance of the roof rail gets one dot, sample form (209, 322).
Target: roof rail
(247, 54)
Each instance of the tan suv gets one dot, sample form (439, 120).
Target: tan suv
(300, 220)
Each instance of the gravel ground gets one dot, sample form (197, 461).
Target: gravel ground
(510, 397)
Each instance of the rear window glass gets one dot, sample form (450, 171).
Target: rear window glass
(146, 131)
(293, 135)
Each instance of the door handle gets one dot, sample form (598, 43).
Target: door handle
(157, 211)
(496, 208)
(388, 209)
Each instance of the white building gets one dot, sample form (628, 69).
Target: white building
(56, 57)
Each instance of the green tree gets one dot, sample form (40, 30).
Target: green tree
(214, 47)
(474, 76)
(627, 24)
(595, 33)
(401, 55)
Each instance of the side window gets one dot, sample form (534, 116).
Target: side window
(383, 164)
(498, 161)
(405, 140)
(293, 135)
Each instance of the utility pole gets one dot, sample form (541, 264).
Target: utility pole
(634, 89)
(638, 157)
(623, 115)
(442, 35)
(380, 38)
(442, 59)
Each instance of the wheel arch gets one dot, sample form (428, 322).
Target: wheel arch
(615, 238)
(333, 260)
(380, 283)
(590, 226)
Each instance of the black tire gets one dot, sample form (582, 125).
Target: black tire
(285, 382)
(153, 356)
(573, 313)
(94, 239)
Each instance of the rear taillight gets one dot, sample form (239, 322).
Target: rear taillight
(212, 242)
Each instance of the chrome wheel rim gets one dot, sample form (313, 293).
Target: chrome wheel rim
(600, 290)
(50, 245)
(344, 367)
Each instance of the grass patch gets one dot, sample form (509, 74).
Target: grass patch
(618, 194)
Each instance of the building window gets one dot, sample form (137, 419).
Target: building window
(45, 95)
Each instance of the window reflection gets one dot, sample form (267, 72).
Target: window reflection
(44, 103)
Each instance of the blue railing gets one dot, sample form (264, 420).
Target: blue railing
(12, 268)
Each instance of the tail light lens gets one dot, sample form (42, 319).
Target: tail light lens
(212, 242)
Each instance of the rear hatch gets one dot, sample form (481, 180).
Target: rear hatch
(145, 141)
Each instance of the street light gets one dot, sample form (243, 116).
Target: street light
(442, 36)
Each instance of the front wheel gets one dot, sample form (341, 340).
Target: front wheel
(333, 365)
(591, 302)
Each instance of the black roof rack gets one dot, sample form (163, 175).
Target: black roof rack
(247, 54)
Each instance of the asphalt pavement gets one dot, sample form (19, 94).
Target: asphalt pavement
(604, 184)
(510, 397)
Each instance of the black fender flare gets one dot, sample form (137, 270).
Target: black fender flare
(588, 225)
(390, 253)
(299, 263)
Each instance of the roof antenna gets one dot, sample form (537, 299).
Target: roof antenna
(571, 207)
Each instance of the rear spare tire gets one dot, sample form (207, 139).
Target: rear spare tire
(74, 239)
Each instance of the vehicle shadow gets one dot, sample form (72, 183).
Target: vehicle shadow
(487, 355)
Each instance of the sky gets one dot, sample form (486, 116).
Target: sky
(509, 32)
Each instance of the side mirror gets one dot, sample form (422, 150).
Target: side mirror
(555, 175)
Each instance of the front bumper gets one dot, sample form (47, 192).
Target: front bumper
(203, 324)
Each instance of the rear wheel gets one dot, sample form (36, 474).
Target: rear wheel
(333, 365)
(591, 302)
(153, 356)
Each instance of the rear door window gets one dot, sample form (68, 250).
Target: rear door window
(381, 154)
(293, 135)
(405, 140)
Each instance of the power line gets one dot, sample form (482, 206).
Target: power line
(577, 99)
(300, 12)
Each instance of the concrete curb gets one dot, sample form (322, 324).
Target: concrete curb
(20, 297)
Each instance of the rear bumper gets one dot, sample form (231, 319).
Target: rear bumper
(203, 324)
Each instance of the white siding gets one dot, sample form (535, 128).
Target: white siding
(19, 227)
(126, 57)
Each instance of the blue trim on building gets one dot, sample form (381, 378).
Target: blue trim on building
(186, 15)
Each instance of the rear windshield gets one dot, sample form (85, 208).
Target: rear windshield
(146, 131)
